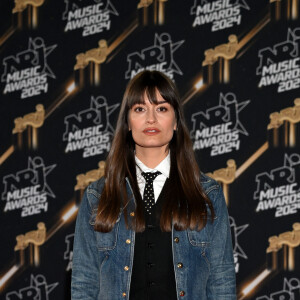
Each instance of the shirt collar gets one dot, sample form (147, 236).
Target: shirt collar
(163, 166)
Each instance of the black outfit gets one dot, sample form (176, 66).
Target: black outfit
(153, 271)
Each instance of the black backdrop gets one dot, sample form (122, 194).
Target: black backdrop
(64, 67)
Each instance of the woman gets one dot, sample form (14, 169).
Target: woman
(154, 227)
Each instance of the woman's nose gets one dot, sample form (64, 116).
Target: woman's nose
(151, 117)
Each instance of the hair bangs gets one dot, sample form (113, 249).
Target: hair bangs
(147, 85)
(135, 96)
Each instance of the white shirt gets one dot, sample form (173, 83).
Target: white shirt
(159, 181)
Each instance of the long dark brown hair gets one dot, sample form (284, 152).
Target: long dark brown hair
(186, 206)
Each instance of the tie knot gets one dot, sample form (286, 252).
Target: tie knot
(149, 176)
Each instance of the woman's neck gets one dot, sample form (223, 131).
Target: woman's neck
(151, 157)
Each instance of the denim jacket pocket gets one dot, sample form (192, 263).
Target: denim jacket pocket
(200, 238)
(108, 240)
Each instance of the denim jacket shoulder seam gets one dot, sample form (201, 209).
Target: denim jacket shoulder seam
(93, 192)
(204, 178)
(211, 188)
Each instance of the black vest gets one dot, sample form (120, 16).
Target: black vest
(153, 271)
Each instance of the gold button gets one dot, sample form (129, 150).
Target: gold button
(176, 240)
(124, 295)
(181, 293)
(179, 265)
(126, 268)
(128, 241)
(132, 214)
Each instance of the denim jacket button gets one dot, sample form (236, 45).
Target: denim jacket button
(128, 241)
(150, 245)
(126, 268)
(176, 240)
(181, 293)
(124, 295)
(132, 214)
(179, 265)
(150, 265)
(151, 283)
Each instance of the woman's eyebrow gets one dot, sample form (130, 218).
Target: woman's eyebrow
(161, 102)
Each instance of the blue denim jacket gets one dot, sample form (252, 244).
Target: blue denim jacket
(102, 262)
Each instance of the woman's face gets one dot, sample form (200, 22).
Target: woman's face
(152, 125)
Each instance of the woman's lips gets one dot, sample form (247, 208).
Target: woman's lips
(151, 131)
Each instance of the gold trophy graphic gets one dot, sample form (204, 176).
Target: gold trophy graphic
(282, 254)
(83, 180)
(225, 176)
(28, 249)
(28, 245)
(88, 64)
(31, 241)
(284, 127)
(283, 250)
(152, 12)
(26, 128)
(217, 61)
(26, 12)
(284, 9)
(216, 66)
(24, 15)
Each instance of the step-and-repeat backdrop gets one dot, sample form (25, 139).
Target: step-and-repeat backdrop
(64, 66)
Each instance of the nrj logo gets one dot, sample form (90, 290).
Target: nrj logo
(237, 249)
(159, 57)
(92, 18)
(38, 289)
(280, 65)
(221, 14)
(290, 291)
(68, 255)
(219, 127)
(28, 190)
(89, 130)
(28, 71)
(279, 188)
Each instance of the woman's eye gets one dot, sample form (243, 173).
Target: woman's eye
(138, 109)
(162, 108)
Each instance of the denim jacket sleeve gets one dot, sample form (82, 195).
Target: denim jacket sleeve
(221, 282)
(85, 270)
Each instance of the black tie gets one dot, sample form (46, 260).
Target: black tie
(148, 191)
